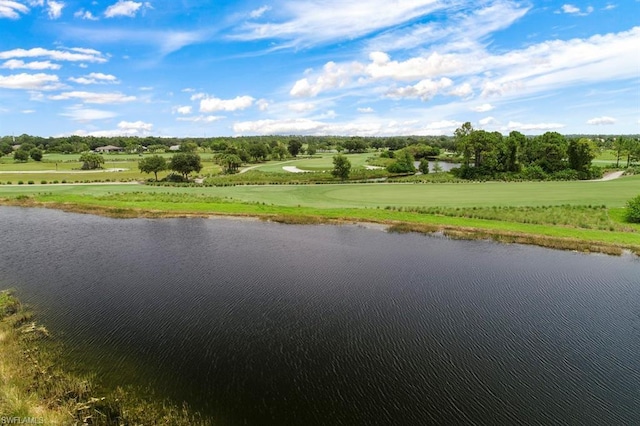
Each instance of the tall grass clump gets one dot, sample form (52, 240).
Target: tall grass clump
(633, 210)
(35, 383)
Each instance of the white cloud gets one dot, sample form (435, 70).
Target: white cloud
(55, 9)
(87, 114)
(24, 81)
(302, 107)
(540, 67)
(259, 12)
(126, 8)
(297, 126)
(95, 78)
(135, 126)
(304, 126)
(94, 98)
(483, 108)
(333, 76)
(308, 22)
(514, 125)
(435, 64)
(458, 30)
(85, 14)
(597, 121)
(424, 89)
(37, 65)
(28, 111)
(367, 110)
(73, 55)
(568, 8)
(487, 121)
(214, 104)
(125, 128)
(201, 118)
(183, 110)
(262, 104)
(12, 9)
(463, 91)
(573, 10)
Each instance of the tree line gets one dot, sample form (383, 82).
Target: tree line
(550, 155)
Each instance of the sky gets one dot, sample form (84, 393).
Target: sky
(194, 68)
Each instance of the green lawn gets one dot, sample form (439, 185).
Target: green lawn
(319, 162)
(370, 202)
(613, 194)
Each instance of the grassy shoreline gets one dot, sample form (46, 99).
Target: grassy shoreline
(615, 240)
(37, 387)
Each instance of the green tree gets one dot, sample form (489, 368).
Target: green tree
(551, 152)
(311, 149)
(185, 163)
(633, 150)
(230, 162)
(258, 151)
(279, 152)
(21, 156)
(463, 147)
(581, 152)
(91, 161)
(620, 147)
(188, 147)
(424, 166)
(157, 148)
(514, 144)
(153, 164)
(294, 147)
(403, 163)
(6, 148)
(36, 154)
(341, 167)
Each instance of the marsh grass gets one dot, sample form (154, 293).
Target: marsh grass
(258, 177)
(36, 383)
(585, 217)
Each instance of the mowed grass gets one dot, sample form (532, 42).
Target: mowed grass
(319, 162)
(612, 194)
(387, 203)
(70, 171)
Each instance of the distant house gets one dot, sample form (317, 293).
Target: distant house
(174, 148)
(109, 148)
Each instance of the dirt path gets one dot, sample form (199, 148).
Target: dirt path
(294, 169)
(260, 165)
(609, 176)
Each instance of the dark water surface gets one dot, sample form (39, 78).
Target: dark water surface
(266, 324)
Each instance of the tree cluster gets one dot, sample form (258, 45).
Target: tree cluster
(183, 163)
(489, 154)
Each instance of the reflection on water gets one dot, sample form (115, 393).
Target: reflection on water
(266, 324)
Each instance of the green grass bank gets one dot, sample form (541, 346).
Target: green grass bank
(37, 387)
(584, 216)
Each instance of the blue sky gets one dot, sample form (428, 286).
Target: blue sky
(318, 67)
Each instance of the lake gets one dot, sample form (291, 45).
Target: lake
(258, 323)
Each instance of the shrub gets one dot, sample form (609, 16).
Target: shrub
(30, 182)
(534, 173)
(44, 182)
(633, 210)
